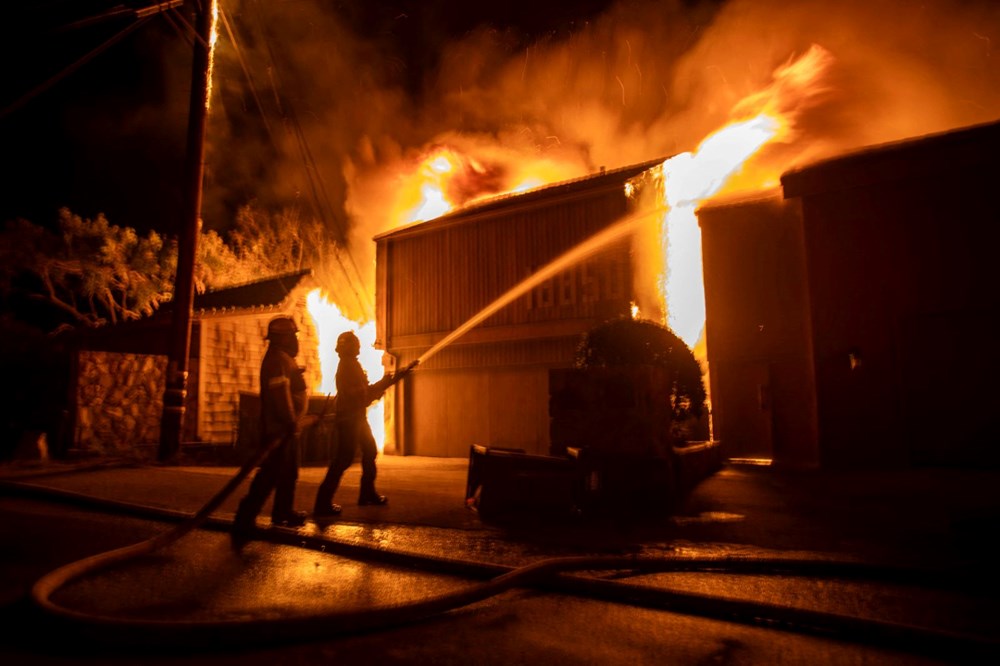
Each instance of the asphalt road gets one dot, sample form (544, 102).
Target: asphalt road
(918, 541)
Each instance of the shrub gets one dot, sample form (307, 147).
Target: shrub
(626, 341)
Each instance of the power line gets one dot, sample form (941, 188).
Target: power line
(142, 15)
(320, 198)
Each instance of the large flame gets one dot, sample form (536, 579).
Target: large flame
(330, 323)
(445, 177)
(426, 192)
(691, 178)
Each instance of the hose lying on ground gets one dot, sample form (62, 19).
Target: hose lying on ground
(549, 574)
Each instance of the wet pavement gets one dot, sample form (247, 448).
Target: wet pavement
(930, 529)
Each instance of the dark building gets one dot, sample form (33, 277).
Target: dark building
(850, 315)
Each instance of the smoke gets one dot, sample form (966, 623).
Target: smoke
(351, 113)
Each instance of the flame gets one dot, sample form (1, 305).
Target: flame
(213, 38)
(330, 323)
(441, 180)
(422, 196)
(688, 179)
(447, 177)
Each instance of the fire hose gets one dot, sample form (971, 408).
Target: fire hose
(548, 574)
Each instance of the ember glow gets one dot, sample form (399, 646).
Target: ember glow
(688, 179)
(447, 177)
(424, 193)
(212, 41)
(330, 323)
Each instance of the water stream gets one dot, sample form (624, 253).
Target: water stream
(588, 247)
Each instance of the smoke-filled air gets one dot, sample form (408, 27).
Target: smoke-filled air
(349, 129)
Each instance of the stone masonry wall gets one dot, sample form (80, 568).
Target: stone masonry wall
(120, 396)
(119, 401)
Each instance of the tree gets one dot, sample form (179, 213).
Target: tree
(90, 270)
(93, 272)
(269, 243)
(626, 341)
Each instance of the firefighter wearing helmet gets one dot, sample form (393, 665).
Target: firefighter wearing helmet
(354, 394)
(283, 405)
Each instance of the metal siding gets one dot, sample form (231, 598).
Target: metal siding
(491, 386)
(442, 278)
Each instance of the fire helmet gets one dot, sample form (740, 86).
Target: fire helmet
(281, 326)
(348, 343)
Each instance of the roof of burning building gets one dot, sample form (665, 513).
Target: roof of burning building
(594, 182)
(968, 147)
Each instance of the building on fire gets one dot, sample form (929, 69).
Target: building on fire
(490, 387)
(849, 314)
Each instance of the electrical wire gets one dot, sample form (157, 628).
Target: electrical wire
(246, 72)
(319, 196)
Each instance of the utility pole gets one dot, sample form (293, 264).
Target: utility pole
(175, 392)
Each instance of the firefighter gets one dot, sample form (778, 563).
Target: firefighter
(354, 394)
(283, 404)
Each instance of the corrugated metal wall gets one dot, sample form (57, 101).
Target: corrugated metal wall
(490, 386)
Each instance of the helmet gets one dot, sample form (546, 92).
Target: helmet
(281, 326)
(348, 342)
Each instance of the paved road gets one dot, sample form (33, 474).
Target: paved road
(927, 520)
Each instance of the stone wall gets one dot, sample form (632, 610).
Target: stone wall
(119, 401)
(120, 396)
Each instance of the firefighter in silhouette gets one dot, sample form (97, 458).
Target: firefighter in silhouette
(283, 405)
(354, 394)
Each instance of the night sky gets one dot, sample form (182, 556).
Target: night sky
(352, 89)
(109, 137)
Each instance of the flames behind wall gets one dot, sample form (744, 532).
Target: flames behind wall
(391, 144)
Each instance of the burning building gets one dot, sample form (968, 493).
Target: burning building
(849, 311)
(596, 248)
(490, 386)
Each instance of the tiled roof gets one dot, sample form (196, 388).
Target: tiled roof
(268, 293)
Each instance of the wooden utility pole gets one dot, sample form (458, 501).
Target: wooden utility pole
(175, 392)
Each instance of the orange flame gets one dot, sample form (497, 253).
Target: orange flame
(423, 193)
(447, 177)
(330, 323)
(691, 178)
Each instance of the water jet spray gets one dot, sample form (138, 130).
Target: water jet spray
(615, 232)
